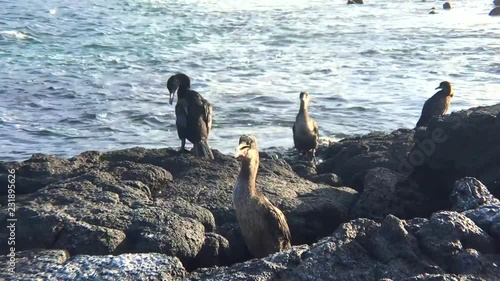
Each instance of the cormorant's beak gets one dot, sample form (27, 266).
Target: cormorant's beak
(439, 87)
(172, 94)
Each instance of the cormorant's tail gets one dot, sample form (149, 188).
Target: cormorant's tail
(202, 149)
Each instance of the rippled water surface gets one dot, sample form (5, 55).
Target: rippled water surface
(91, 75)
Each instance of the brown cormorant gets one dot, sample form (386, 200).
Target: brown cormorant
(263, 226)
(193, 115)
(305, 130)
(436, 105)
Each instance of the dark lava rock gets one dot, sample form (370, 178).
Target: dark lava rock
(387, 192)
(496, 2)
(158, 200)
(215, 246)
(391, 250)
(355, 2)
(351, 158)
(472, 197)
(57, 265)
(447, 5)
(328, 178)
(495, 12)
(462, 144)
(469, 193)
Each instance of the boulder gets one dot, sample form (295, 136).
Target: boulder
(387, 192)
(472, 198)
(351, 158)
(57, 265)
(447, 5)
(469, 193)
(461, 144)
(496, 2)
(355, 2)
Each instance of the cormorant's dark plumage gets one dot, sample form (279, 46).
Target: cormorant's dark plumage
(193, 115)
(436, 105)
(305, 129)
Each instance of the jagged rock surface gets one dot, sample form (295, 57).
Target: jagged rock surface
(156, 200)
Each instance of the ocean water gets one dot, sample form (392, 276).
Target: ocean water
(91, 75)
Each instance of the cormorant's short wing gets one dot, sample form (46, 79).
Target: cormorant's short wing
(276, 221)
(181, 113)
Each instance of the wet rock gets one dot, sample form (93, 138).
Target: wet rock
(351, 158)
(387, 192)
(496, 2)
(461, 144)
(355, 2)
(495, 12)
(447, 5)
(469, 193)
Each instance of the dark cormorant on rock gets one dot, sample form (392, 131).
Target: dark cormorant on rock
(193, 115)
(436, 105)
(305, 130)
(263, 226)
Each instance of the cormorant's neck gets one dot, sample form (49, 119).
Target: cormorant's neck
(303, 106)
(446, 92)
(182, 92)
(247, 176)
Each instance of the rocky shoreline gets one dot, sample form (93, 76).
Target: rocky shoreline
(407, 205)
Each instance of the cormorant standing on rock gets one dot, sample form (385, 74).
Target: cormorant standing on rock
(263, 226)
(436, 105)
(193, 115)
(305, 130)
